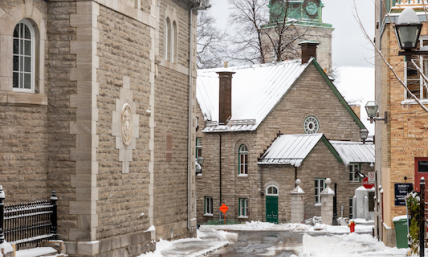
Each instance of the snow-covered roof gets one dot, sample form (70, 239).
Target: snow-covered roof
(290, 149)
(355, 152)
(256, 90)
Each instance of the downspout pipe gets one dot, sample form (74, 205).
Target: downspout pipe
(199, 5)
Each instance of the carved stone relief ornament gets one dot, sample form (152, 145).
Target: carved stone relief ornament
(126, 119)
(125, 124)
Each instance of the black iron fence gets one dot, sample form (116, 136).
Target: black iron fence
(28, 223)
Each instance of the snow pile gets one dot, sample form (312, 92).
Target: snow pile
(349, 245)
(258, 226)
(7, 248)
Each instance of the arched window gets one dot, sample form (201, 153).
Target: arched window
(272, 190)
(23, 56)
(174, 42)
(168, 40)
(243, 160)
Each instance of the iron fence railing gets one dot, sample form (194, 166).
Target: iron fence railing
(28, 223)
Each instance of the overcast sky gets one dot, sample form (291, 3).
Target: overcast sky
(350, 48)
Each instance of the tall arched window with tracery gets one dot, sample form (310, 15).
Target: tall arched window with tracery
(243, 160)
(23, 57)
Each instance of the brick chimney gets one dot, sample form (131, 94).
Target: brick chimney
(309, 49)
(357, 109)
(225, 96)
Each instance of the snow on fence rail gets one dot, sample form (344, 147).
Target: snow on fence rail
(28, 223)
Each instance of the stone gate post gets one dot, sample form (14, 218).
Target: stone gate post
(327, 204)
(297, 203)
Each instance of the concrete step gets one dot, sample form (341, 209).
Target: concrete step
(36, 252)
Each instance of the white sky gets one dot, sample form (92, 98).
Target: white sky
(350, 48)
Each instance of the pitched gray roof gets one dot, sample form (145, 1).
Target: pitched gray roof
(355, 152)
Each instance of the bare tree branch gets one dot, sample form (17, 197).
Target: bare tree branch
(384, 59)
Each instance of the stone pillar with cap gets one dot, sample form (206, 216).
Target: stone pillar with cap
(327, 204)
(297, 203)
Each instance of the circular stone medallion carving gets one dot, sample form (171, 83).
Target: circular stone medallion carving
(126, 122)
(311, 125)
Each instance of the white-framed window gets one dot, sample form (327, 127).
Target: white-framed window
(208, 205)
(351, 207)
(243, 207)
(412, 76)
(353, 177)
(272, 190)
(24, 57)
(198, 147)
(319, 187)
(243, 160)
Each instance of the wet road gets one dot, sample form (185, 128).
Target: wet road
(263, 243)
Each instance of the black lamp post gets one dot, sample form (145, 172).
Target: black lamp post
(408, 29)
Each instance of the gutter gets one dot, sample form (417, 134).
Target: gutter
(199, 5)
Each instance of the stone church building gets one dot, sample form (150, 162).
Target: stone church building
(97, 101)
(264, 126)
(297, 20)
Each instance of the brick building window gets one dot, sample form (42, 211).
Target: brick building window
(353, 177)
(208, 205)
(198, 147)
(243, 207)
(23, 57)
(413, 77)
(243, 160)
(351, 208)
(319, 187)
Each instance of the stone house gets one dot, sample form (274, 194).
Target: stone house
(246, 110)
(401, 142)
(97, 101)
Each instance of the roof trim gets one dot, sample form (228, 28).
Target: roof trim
(331, 148)
(337, 93)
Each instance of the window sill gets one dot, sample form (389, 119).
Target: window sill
(208, 215)
(242, 217)
(318, 204)
(411, 101)
(22, 99)
(243, 175)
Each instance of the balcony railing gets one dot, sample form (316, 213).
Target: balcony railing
(408, 2)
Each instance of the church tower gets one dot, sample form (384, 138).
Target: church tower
(297, 21)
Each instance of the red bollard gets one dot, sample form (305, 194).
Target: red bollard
(352, 226)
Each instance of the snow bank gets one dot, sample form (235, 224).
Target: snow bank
(350, 245)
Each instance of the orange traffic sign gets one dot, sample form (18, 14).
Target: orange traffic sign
(223, 208)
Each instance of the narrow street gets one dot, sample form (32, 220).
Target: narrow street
(266, 243)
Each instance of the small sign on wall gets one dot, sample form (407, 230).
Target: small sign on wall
(401, 190)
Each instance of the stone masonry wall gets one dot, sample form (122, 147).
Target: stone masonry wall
(60, 113)
(123, 50)
(23, 124)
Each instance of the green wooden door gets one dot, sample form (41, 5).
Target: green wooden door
(272, 209)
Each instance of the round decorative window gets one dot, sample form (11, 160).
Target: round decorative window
(311, 125)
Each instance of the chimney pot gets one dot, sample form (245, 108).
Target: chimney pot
(309, 49)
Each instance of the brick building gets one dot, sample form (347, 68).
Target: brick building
(94, 103)
(402, 142)
(244, 111)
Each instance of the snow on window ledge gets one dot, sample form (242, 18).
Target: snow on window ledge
(243, 175)
(242, 217)
(208, 215)
(318, 204)
(412, 101)
(199, 175)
